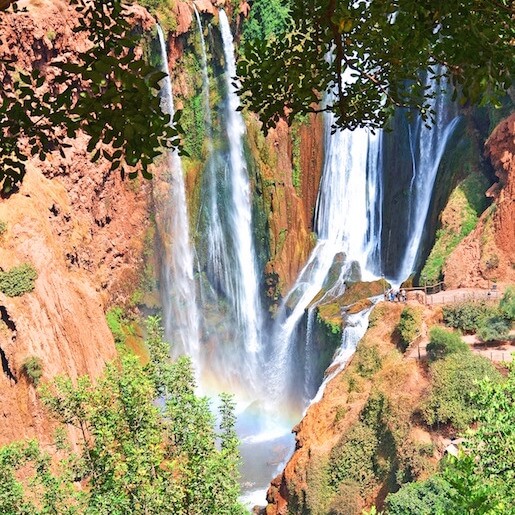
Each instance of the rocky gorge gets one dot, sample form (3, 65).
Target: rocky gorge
(92, 239)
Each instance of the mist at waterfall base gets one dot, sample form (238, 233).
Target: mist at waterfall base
(269, 366)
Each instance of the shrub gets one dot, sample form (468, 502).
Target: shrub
(494, 328)
(443, 342)
(352, 459)
(454, 381)
(368, 360)
(424, 498)
(409, 326)
(118, 324)
(348, 500)
(466, 316)
(33, 368)
(507, 303)
(18, 280)
(3, 227)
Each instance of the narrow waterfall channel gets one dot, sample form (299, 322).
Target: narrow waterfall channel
(350, 191)
(427, 147)
(178, 296)
(245, 285)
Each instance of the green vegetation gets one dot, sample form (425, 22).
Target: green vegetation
(33, 368)
(454, 382)
(507, 303)
(163, 9)
(119, 324)
(3, 227)
(490, 322)
(18, 280)
(443, 343)
(422, 498)
(352, 459)
(368, 360)
(134, 454)
(494, 328)
(192, 121)
(465, 205)
(409, 326)
(267, 19)
(481, 479)
(385, 46)
(107, 92)
(467, 316)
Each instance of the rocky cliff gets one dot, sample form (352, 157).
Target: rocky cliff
(81, 228)
(376, 376)
(487, 254)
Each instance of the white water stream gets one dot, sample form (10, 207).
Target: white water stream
(180, 311)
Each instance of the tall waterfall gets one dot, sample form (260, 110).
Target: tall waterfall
(350, 191)
(177, 283)
(244, 286)
(427, 146)
(273, 379)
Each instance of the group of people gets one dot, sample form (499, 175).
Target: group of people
(392, 295)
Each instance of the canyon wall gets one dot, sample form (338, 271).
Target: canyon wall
(487, 254)
(82, 229)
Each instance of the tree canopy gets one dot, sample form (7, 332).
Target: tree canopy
(145, 443)
(361, 60)
(109, 92)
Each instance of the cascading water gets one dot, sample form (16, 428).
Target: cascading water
(427, 147)
(349, 192)
(349, 225)
(177, 284)
(244, 287)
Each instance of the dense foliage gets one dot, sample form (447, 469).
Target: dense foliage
(482, 480)
(368, 57)
(466, 316)
(409, 326)
(134, 455)
(489, 321)
(422, 498)
(18, 280)
(454, 382)
(107, 91)
(443, 342)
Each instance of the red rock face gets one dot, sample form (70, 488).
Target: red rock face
(500, 148)
(488, 253)
(80, 226)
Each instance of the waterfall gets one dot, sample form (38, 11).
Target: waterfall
(355, 328)
(348, 233)
(427, 146)
(244, 288)
(181, 315)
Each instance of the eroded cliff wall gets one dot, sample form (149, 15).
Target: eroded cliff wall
(81, 228)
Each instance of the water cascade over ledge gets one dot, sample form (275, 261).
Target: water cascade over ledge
(273, 376)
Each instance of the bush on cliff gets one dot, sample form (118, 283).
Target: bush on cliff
(409, 326)
(507, 303)
(494, 328)
(454, 382)
(425, 498)
(466, 316)
(18, 280)
(352, 459)
(443, 342)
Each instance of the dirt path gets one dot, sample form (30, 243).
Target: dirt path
(452, 296)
